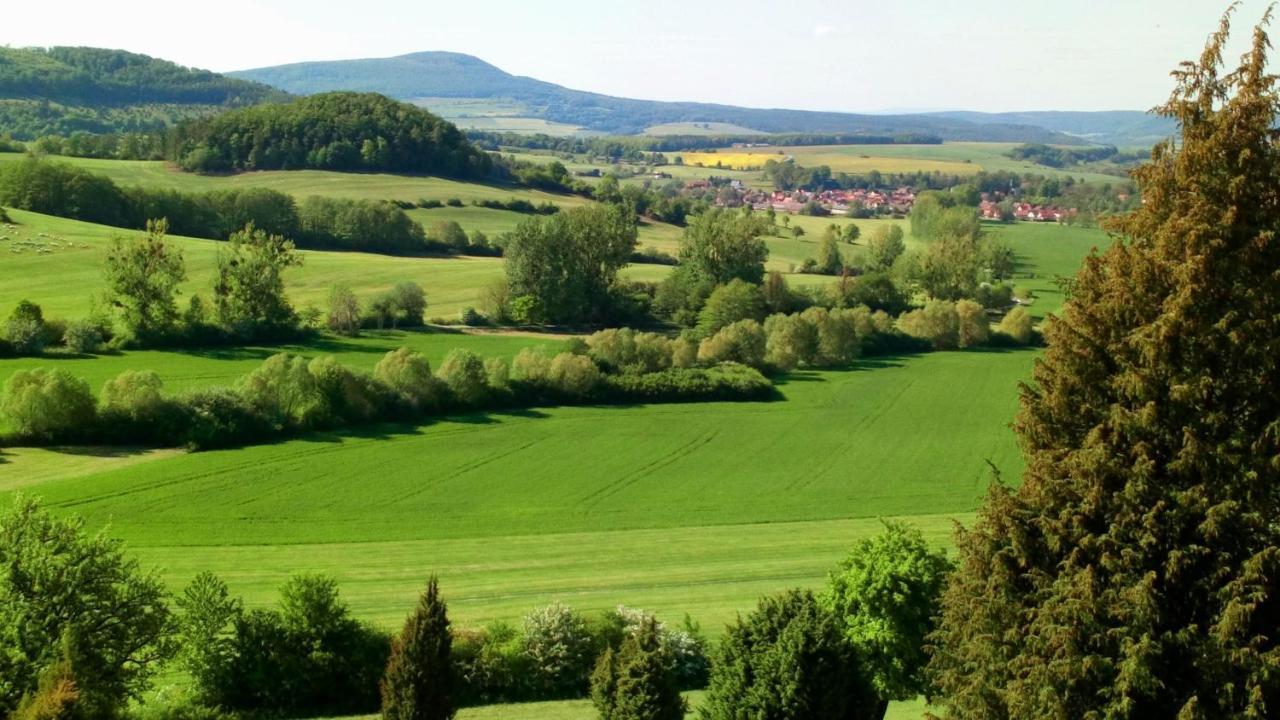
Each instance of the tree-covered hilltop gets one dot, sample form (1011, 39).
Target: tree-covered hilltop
(61, 90)
(333, 131)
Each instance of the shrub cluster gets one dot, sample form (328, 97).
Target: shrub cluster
(552, 654)
(289, 394)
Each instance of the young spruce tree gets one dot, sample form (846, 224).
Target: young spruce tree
(418, 684)
(1134, 572)
(638, 682)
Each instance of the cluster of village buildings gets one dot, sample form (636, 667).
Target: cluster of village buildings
(836, 202)
(992, 210)
(844, 202)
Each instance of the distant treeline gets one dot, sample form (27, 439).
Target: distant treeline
(331, 131)
(618, 146)
(64, 190)
(1060, 157)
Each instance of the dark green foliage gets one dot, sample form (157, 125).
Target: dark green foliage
(305, 658)
(219, 418)
(66, 90)
(94, 76)
(331, 131)
(1133, 572)
(565, 265)
(789, 660)
(638, 680)
(362, 225)
(206, 639)
(418, 683)
(56, 188)
(64, 592)
(729, 303)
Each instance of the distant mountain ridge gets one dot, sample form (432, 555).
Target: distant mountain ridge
(423, 75)
(1108, 127)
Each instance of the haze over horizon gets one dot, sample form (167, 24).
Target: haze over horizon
(909, 57)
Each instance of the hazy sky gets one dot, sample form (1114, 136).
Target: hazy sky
(854, 55)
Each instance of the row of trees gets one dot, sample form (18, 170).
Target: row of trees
(60, 189)
(87, 630)
(142, 276)
(290, 394)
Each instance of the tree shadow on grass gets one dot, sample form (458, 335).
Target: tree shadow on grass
(101, 451)
(379, 431)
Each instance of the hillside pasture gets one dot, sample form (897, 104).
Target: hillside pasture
(683, 484)
(303, 183)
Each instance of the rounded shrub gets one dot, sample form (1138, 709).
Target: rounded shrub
(560, 650)
(1017, 325)
(787, 659)
(82, 337)
(48, 404)
(742, 342)
(463, 372)
(409, 374)
(573, 375)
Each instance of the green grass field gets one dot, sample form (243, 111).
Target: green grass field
(697, 509)
(678, 489)
(303, 183)
(64, 280)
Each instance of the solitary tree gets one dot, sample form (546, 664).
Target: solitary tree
(418, 684)
(720, 245)
(249, 287)
(1133, 573)
(142, 280)
(884, 247)
(344, 310)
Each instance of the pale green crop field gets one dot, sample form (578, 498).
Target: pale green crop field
(700, 128)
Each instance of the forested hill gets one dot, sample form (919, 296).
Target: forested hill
(333, 131)
(62, 90)
(422, 76)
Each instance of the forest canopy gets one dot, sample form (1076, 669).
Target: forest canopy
(332, 131)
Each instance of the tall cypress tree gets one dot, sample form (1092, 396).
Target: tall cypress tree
(1133, 574)
(418, 684)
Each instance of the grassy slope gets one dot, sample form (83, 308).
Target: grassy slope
(482, 481)
(301, 183)
(64, 280)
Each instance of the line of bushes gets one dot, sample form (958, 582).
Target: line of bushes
(289, 394)
(63, 190)
(82, 649)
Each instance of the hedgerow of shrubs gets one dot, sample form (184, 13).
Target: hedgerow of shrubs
(288, 394)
